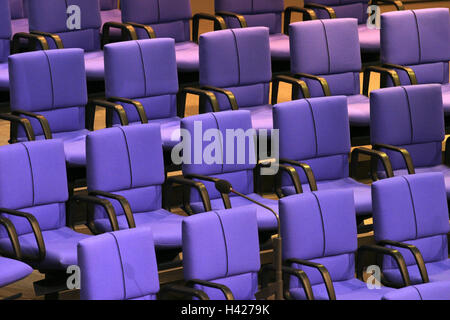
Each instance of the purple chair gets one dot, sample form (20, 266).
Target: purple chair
(326, 54)
(135, 155)
(316, 132)
(169, 19)
(319, 237)
(5, 36)
(48, 18)
(408, 124)
(418, 204)
(142, 76)
(427, 291)
(416, 44)
(12, 270)
(236, 65)
(262, 13)
(33, 195)
(122, 266)
(48, 88)
(369, 39)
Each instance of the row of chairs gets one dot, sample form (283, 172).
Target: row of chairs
(220, 247)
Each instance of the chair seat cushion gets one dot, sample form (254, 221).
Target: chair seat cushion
(261, 116)
(4, 77)
(437, 271)
(19, 25)
(279, 46)
(352, 289)
(165, 226)
(95, 67)
(187, 56)
(60, 246)
(362, 192)
(358, 110)
(446, 98)
(12, 271)
(169, 127)
(369, 39)
(266, 219)
(111, 15)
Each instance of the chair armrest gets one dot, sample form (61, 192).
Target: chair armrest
(233, 15)
(123, 203)
(322, 81)
(185, 290)
(230, 96)
(374, 155)
(398, 4)
(225, 290)
(225, 197)
(128, 31)
(384, 251)
(219, 23)
(12, 234)
(139, 107)
(202, 93)
(288, 16)
(200, 187)
(42, 121)
(293, 175)
(306, 168)
(56, 39)
(34, 226)
(297, 86)
(414, 251)
(409, 71)
(110, 107)
(323, 272)
(101, 202)
(405, 154)
(330, 11)
(149, 30)
(382, 71)
(15, 121)
(32, 38)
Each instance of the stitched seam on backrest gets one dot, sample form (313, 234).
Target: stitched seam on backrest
(410, 116)
(220, 140)
(129, 157)
(224, 241)
(412, 203)
(51, 79)
(420, 295)
(323, 224)
(328, 49)
(159, 11)
(314, 124)
(238, 58)
(143, 68)
(121, 266)
(418, 37)
(31, 171)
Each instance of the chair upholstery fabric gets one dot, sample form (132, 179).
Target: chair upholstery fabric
(419, 39)
(419, 204)
(427, 291)
(5, 36)
(239, 60)
(134, 154)
(51, 16)
(146, 71)
(330, 49)
(234, 165)
(320, 226)
(316, 131)
(12, 271)
(223, 247)
(52, 83)
(19, 16)
(119, 265)
(36, 183)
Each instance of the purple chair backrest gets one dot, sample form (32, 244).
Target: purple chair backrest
(410, 117)
(330, 49)
(412, 209)
(419, 39)
(315, 131)
(108, 4)
(232, 164)
(51, 16)
(134, 154)
(144, 70)
(34, 182)
(119, 266)
(51, 83)
(223, 247)
(343, 9)
(18, 9)
(320, 226)
(168, 18)
(237, 60)
(5, 30)
(257, 13)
